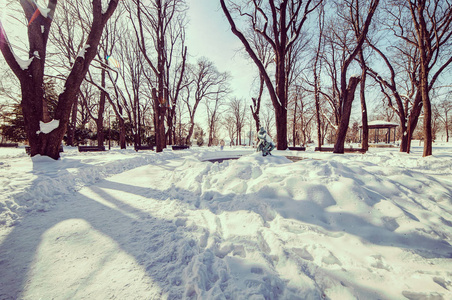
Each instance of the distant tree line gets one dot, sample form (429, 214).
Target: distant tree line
(120, 71)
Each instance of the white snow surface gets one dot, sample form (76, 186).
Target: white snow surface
(43, 10)
(23, 64)
(122, 224)
(48, 127)
(83, 51)
(382, 122)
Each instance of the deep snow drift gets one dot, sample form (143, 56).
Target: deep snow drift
(172, 225)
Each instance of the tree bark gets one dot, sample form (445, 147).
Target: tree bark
(362, 94)
(346, 111)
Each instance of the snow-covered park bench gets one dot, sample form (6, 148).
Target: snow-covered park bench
(13, 145)
(27, 149)
(346, 150)
(143, 147)
(180, 147)
(90, 148)
(297, 148)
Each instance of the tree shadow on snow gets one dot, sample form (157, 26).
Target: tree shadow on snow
(162, 246)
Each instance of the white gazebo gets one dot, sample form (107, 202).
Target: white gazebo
(383, 125)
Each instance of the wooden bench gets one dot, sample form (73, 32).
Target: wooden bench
(28, 149)
(180, 147)
(346, 150)
(144, 147)
(12, 145)
(90, 148)
(297, 148)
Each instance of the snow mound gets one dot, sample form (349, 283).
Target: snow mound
(172, 225)
(36, 184)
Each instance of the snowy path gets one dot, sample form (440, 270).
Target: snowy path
(184, 229)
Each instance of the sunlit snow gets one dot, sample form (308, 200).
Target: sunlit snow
(48, 127)
(142, 225)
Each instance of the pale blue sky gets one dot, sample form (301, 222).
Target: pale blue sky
(209, 35)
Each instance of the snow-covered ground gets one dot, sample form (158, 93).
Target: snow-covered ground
(127, 225)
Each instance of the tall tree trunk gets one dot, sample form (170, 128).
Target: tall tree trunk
(346, 111)
(413, 119)
(100, 112)
(317, 99)
(280, 103)
(428, 134)
(362, 94)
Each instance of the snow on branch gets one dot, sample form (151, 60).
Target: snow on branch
(48, 127)
(83, 51)
(23, 64)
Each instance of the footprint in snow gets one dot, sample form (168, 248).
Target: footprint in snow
(331, 260)
(303, 253)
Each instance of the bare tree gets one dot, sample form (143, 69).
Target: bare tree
(213, 109)
(157, 22)
(316, 71)
(443, 109)
(303, 114)
(176, 79)
(31, 76)
(399, 89)
(230, 126)
(279, 23)
(181, 127)
(237, 109)
(422, 53)
(207, 84)
(432, 24)
(268, 118)
(67, 36)
(353, 17)
(264, 52)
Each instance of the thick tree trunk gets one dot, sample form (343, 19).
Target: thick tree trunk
(404, 138)
(345, 118)
(410, 130)
(412, 120)
(428, 133)
(281, 128)
(32, 97)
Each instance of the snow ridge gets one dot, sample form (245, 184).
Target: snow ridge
(43, 188)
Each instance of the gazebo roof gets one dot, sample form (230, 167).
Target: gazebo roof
(380, 124)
